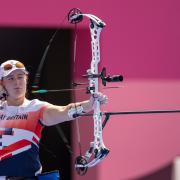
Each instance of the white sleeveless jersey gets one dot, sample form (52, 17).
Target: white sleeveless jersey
(20, 132)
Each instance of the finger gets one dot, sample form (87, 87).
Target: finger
(97, 95)
(103, 97)
(104, 100)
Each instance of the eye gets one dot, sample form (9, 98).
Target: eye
(10, 78)
(20, 77)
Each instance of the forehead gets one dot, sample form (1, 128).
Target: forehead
(15, 73)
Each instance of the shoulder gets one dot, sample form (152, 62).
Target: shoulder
(35, 104)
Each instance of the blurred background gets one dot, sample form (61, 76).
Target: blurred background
(141, 42)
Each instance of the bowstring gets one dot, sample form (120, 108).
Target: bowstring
(37, 82)
(73, 93)
(40, 67)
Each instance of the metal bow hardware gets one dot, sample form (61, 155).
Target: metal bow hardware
(97, 148)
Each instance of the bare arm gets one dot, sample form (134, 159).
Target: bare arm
(57, 114)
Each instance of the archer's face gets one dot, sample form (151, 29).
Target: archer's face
(15, 84)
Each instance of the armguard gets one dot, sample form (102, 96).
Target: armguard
(74, 112)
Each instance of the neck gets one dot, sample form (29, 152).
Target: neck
(15, 102)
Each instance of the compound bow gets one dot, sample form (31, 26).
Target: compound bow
(97, 151)
(97, 148)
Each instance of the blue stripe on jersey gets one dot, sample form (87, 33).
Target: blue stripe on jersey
(26, 163)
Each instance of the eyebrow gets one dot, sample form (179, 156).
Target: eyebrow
(9, 76)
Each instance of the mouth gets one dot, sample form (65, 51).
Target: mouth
(18, 88)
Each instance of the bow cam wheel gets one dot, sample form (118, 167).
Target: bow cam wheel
(75, 16)
(82, 162)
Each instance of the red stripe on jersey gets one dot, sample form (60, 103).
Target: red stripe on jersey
(6, 156)
(35, 140)
(38, 130)
(31, 123)
(14, 147)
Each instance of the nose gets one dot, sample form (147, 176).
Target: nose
(16, 81)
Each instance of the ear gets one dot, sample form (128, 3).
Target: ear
(27, 79)
(3, 92)
(1, 83)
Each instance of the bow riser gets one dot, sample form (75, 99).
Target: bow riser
(93, 82)
(97, 147)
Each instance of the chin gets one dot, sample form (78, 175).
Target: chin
(19, 95)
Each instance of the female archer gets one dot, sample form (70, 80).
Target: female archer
(22, 120)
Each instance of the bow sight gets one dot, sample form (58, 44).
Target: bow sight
(104, 78)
